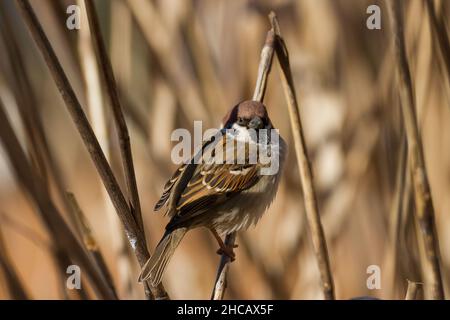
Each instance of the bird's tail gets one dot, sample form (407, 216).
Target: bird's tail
(155, 266)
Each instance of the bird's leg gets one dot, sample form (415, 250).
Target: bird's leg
(224, 249)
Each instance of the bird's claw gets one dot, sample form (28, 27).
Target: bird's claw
(228, 251)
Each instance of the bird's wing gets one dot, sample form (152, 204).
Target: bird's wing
(195, 189)
(169, 186)
(179, 179)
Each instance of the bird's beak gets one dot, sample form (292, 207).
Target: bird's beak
(256, 123)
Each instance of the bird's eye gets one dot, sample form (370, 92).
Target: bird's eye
(241, 121)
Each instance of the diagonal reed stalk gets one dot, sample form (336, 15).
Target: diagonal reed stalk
(41, 157)
(220, 284)
(260, 89)
(131, 226)
(65, 241)
(413, 290)
(98, 115)
(12, 280)
(107, 77)
(40, 151)
(122, 129)
(89, 240)
(275, 43)
(306, 177)
(169, 52)
(422, 194)
(441, 35)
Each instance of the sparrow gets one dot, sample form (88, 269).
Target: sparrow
(219, 189)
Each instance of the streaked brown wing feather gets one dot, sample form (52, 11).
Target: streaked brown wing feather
(184, 172)
(208, 185)
(208, 191)
(168, 187)
(216, 181)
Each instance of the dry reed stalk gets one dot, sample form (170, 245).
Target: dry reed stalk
(25, 231)
(106, 74)
(401, 212)
(42, 159)
(306, 177)
(440, 33)
(132, 229)
(424, 268)
(402, 262)
(98, 118)
(260, 89)
(18, 85)
(121, 43)
(441, 48)
(265, 66)
(92, 82)
(61, 261)
(422, 194)
(169, 51)
(133, 113)
(396, 213)
(123, 136)
(53, 18)
(400, 259)
(122, 129)
(413, 289)
(58, 256)
(121, 53)
(202, 59)
(38, 145)
(13, 282)
(336, 212)
(410, 232)
(220, 284)
(64, 240)
(89, 239)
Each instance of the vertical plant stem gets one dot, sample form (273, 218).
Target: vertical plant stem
(260, 89)
(422, 194)
(396, 214)
(122, 129)
(413, 289)
(89, 239)
(132, 230)
(40, 151)
(440, 34)
(108, 79)
(168, 49)
(306, 177)
(13, 282)
(65, 242)
(98, 117)
(265, 65)
(221, 280)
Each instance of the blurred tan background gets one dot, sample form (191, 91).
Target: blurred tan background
(176, 61)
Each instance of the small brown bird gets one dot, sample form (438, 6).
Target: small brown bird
(221, 188)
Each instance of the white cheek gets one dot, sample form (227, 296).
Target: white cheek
(240, 133)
